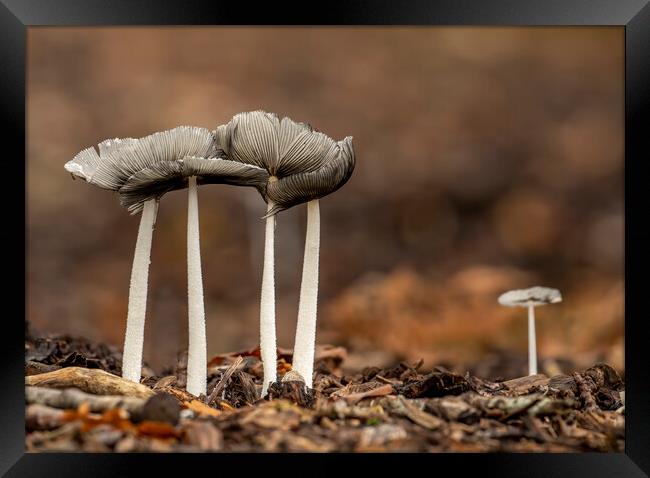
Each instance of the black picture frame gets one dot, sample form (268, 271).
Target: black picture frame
(632, 15)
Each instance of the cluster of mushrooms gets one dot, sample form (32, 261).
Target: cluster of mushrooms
(289, 163)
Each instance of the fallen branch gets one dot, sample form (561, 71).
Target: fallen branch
(71, 398)
(94, 381)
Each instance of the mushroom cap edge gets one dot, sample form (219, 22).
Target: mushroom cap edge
(536, 296)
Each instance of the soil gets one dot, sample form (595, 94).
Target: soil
(74, 405)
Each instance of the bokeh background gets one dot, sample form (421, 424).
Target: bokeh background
(487, 159)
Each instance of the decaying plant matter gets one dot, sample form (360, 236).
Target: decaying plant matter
(399, 408)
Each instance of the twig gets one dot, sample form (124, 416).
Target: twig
(225, 378)
(71, 398)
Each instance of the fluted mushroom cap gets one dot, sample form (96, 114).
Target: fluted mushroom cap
(146, 168)
(119, 159)
(85, 163)
(302, 187)
(306, 163)
(532, 296)
(165, 176)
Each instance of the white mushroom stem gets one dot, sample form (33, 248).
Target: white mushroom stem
(268, 349)
(137, 309)
(197, 352)
(303, 351)
(532, 345)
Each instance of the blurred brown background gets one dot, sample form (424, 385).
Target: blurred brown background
(487, 159)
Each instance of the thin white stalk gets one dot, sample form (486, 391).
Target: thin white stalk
(532, 345)
(267, 306)
(304, 348)
(137, 308)
(197, 353)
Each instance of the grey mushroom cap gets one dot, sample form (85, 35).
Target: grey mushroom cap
(165, 176)
(119, 159)
(146, 168)
(281, 146)
(533, 296)
(302, 187)
(85, 163)
(306, 163)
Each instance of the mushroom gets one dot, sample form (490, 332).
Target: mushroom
(337, 168)
(531, 298)
(303, 165)
(188, 172)
(141, 171)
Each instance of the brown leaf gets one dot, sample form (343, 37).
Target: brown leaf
(157, 429)
(201, 408)
(378, 391)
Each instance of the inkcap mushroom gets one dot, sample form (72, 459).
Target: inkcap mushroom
(303, 166)
(531, 298)
(141, 171)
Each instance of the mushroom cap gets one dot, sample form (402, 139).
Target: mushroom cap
(533, 296)
(306, 163)
(164, 176)
(119, 159)
(146, 168)
(85, 163)
(302, 187)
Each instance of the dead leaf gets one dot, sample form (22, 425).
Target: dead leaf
(379, 391)
(201, 408)
(157, 429)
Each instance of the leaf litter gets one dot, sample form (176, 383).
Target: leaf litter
(77, 401)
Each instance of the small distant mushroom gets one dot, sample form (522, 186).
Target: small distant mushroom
(303, 165)
(531, 298)
(142, 171)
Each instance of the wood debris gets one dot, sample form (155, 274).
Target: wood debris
(94, 381)
(404, 407)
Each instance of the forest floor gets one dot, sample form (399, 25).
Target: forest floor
(77, 401)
